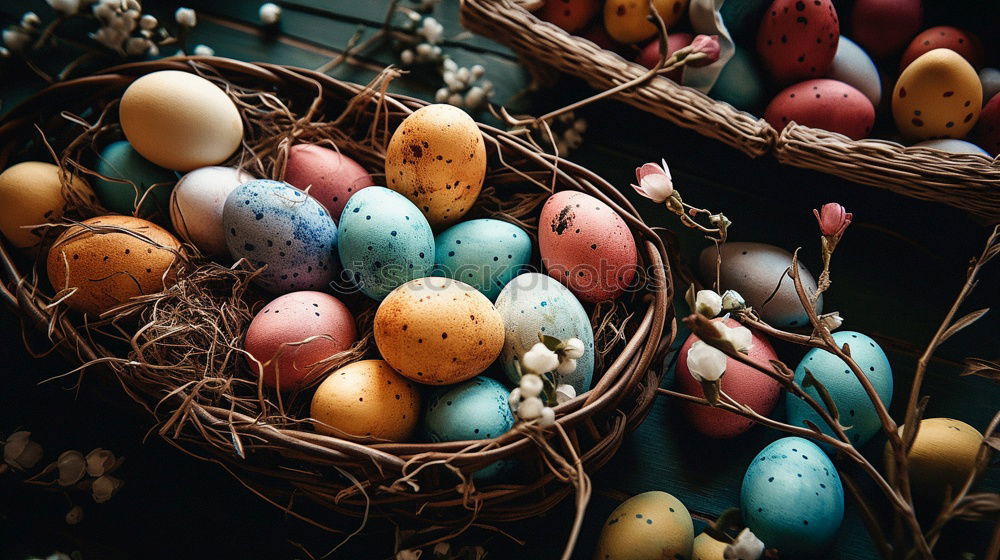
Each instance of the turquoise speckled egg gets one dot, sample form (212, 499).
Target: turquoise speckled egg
(792, 498)
(485, 254)
(535, 303)
(739, 83)
(272, 223)
(856, 409)
(121, 162)
(385, 241)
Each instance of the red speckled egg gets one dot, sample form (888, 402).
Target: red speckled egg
(586, 246)
(944, 37)
(741, 382)
(331, 177)
(987, 133)
(293, 333)
(884, 27)
(650, 54)
(571, 15)
(798, 38)
(826, 104)
(597, 35)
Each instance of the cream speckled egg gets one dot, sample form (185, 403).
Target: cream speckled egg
(649, 526)
(196, 205)
(437, 159)
(938, 95)
(943, 455)
(366, 399)
(31, 193)
(180, 121)
(438, 331)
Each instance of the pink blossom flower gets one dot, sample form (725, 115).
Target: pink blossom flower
(654, 181)
(707, 45)
(833, 219)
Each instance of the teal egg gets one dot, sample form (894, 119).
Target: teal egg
(384, 241)
(485, 254)
(119, 160)
(739, 83)
(534, 303)
(792, 498)
(855, 408)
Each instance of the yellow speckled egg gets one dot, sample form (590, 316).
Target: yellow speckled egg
(707, 548)
(938, 95)
(31, 193)
(437, 159)
(438, 331)
(943, 455)
(626, 20)
(366, 399)
(180, 121)
(110, 259)
(650, 526)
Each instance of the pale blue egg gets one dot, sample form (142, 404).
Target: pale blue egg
(534, 303)
(854, 67)
(953, 145)
(385, 241)
(856, 410)
(485, 254)
(792, 498)
(120, 161)
(739, 83)
(272, 223)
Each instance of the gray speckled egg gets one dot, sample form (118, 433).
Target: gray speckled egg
(753, 270)
(535, 303)
(485, 254)
(385, 241)
(272, 223)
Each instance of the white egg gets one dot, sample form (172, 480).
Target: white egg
(953, 145)
(854, 67)
(196, 206)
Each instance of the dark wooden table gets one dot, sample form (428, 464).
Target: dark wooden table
(895, 274)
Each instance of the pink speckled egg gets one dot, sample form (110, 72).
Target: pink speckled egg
(587, 246)
(987, 132)
(741, 382)
(944, 37)
(884, 27)
(826, 104)
(797, 39)
(331, 177)
(293, 333)
(650, 54)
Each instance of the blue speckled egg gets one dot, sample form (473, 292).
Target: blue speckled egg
(855, 408)
(272, 223)
(385, 241)
(535, 303)
(120, 161)
(485, 254)
(739, 82)
(792, 498)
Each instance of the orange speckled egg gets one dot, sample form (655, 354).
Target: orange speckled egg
(438, 331)
(587, 246)
(939, 95)
(110, 259)
(944, 37)
(437, 159)
(571, 15)
(31, 193)
(366, 399)
(292, 335)
(626, 20)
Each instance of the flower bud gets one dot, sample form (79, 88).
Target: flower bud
(74, 515)
(514, 399)
(733, 301)
(530, 408)
(104, 488)
(16, 39)
(746, 546)
(565, 393)
(655, 182)
(100, 461)
(148, 22)
(548, 417)
(707, 45)
(539, 359)
(705, 362)
(204, 50)
(71, 467)
(573, 348)
(707, 303)
(186, 17)
(269, 13)
(65, 7)
(831, 321)
(20, 452)
(566, 366)
(833, 219)
(30, 20)
(531, 385)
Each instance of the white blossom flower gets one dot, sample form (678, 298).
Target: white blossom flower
(463, 75)
(186, 17)
(104, 488)
(65, 7)
(732, 301)
(269, 13)
(148, 22)
(531, 385)
(746, 547)
(740, 337)
(707, 303)
(16, 38)
(530, 408)
(487, 87)
(547, 418)
(456, 99)
(74, 515)
(540, 359)
(431, 30)
(110, 37)
(514, 400)
(136, 46)
(100, 461)
(408, 554)
(406, 57)
(477, 71)
(566, 366)
(475, 97)
(20, 452)
(441, 95)
(30, 21)
(71, 467)
(655, 182)
(831, 321)
(204, 50)
(573, 348)
(705, 362)
(565, 393)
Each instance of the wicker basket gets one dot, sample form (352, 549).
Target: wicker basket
(968, 181)
(282, 459)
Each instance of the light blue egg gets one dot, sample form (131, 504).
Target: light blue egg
(385, 241)
(855, 408)
(535, 303)
(792, 498)
(272, 223)
(485, 254)
(739, 83)
(119, 160)
(854, 67)
(953, 145)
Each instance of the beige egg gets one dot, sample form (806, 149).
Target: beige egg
(707, 548)
(366, 399)
(938, 95)
(31, 193)
(649, 526)
(437, 159)
(943, 455)
(438, 331)
(180, 121)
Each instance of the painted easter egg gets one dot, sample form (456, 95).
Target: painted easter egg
(854, 67)
(649, 56)
(571, 15)
(595, 33)
(196, 205)
(943, 456)
(990, 79)
(587, 246)
(938, 96)
(331, 177)
(797, 40)
(289, 339)
(533, 304)
(32, 194)
(741, 382)
(130, 177)
(384, 241)
(987, 133)
(110, 259)
(366, 399)
(438, 331)
(484, 254)
(755, 270)
(884, 27)
(856, 410)
(792, 498)
(627, 21)
(944, 37)
(739, 82)
(648, 526)
(823, 103)
(707, 548)
(953, 145)
(437, 159)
